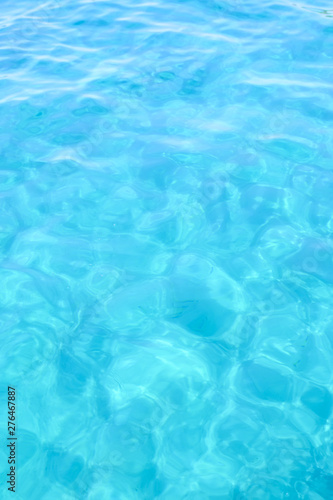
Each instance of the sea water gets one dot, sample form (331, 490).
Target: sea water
(166, 248)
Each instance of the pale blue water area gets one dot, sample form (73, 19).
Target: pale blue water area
(166, 248)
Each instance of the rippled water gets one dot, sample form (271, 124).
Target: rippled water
(166, 244)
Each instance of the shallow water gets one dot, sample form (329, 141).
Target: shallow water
(166, 245)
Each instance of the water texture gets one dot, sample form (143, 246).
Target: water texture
(166, 248)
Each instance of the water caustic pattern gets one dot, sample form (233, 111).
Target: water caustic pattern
(166, 248)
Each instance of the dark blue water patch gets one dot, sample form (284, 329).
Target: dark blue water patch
(63, 467)
(319, 401)
(266, 383)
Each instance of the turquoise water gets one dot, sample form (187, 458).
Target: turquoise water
(166, 249)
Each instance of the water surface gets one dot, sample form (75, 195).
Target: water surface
(166, 246)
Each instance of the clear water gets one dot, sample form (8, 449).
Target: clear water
(166, 246)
